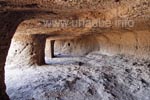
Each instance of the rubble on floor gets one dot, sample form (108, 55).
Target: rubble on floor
(92, 77)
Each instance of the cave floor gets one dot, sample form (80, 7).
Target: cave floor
(92, 77)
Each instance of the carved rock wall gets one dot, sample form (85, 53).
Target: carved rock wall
(7, 30)
(26, 50)
(123, 42)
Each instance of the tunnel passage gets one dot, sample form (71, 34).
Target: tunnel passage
(72, 47)
(33, 49)
(26, 50)
(134, 42)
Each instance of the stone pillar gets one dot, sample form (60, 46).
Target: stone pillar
(49, 50)
(27, 50)
(39, 49)
(52, 48)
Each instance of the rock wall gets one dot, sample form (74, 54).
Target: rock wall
(49, 48)
(26, 50)
(123, 42)
(7, 29)
(76, 47)
(12, 12)
(129, 43)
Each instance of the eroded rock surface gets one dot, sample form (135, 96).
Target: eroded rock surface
(92, 77)
(112, 43)
(27, 50)
(32, 14)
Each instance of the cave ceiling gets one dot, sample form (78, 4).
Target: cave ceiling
(43, 12)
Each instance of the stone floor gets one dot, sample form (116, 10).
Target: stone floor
(92, 77)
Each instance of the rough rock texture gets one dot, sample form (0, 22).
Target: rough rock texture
(129, 43)
(92, 77)
(27, 50)
(49, 48)
(13, 12)
(9, 21)
(7, 29)
(76, 47)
